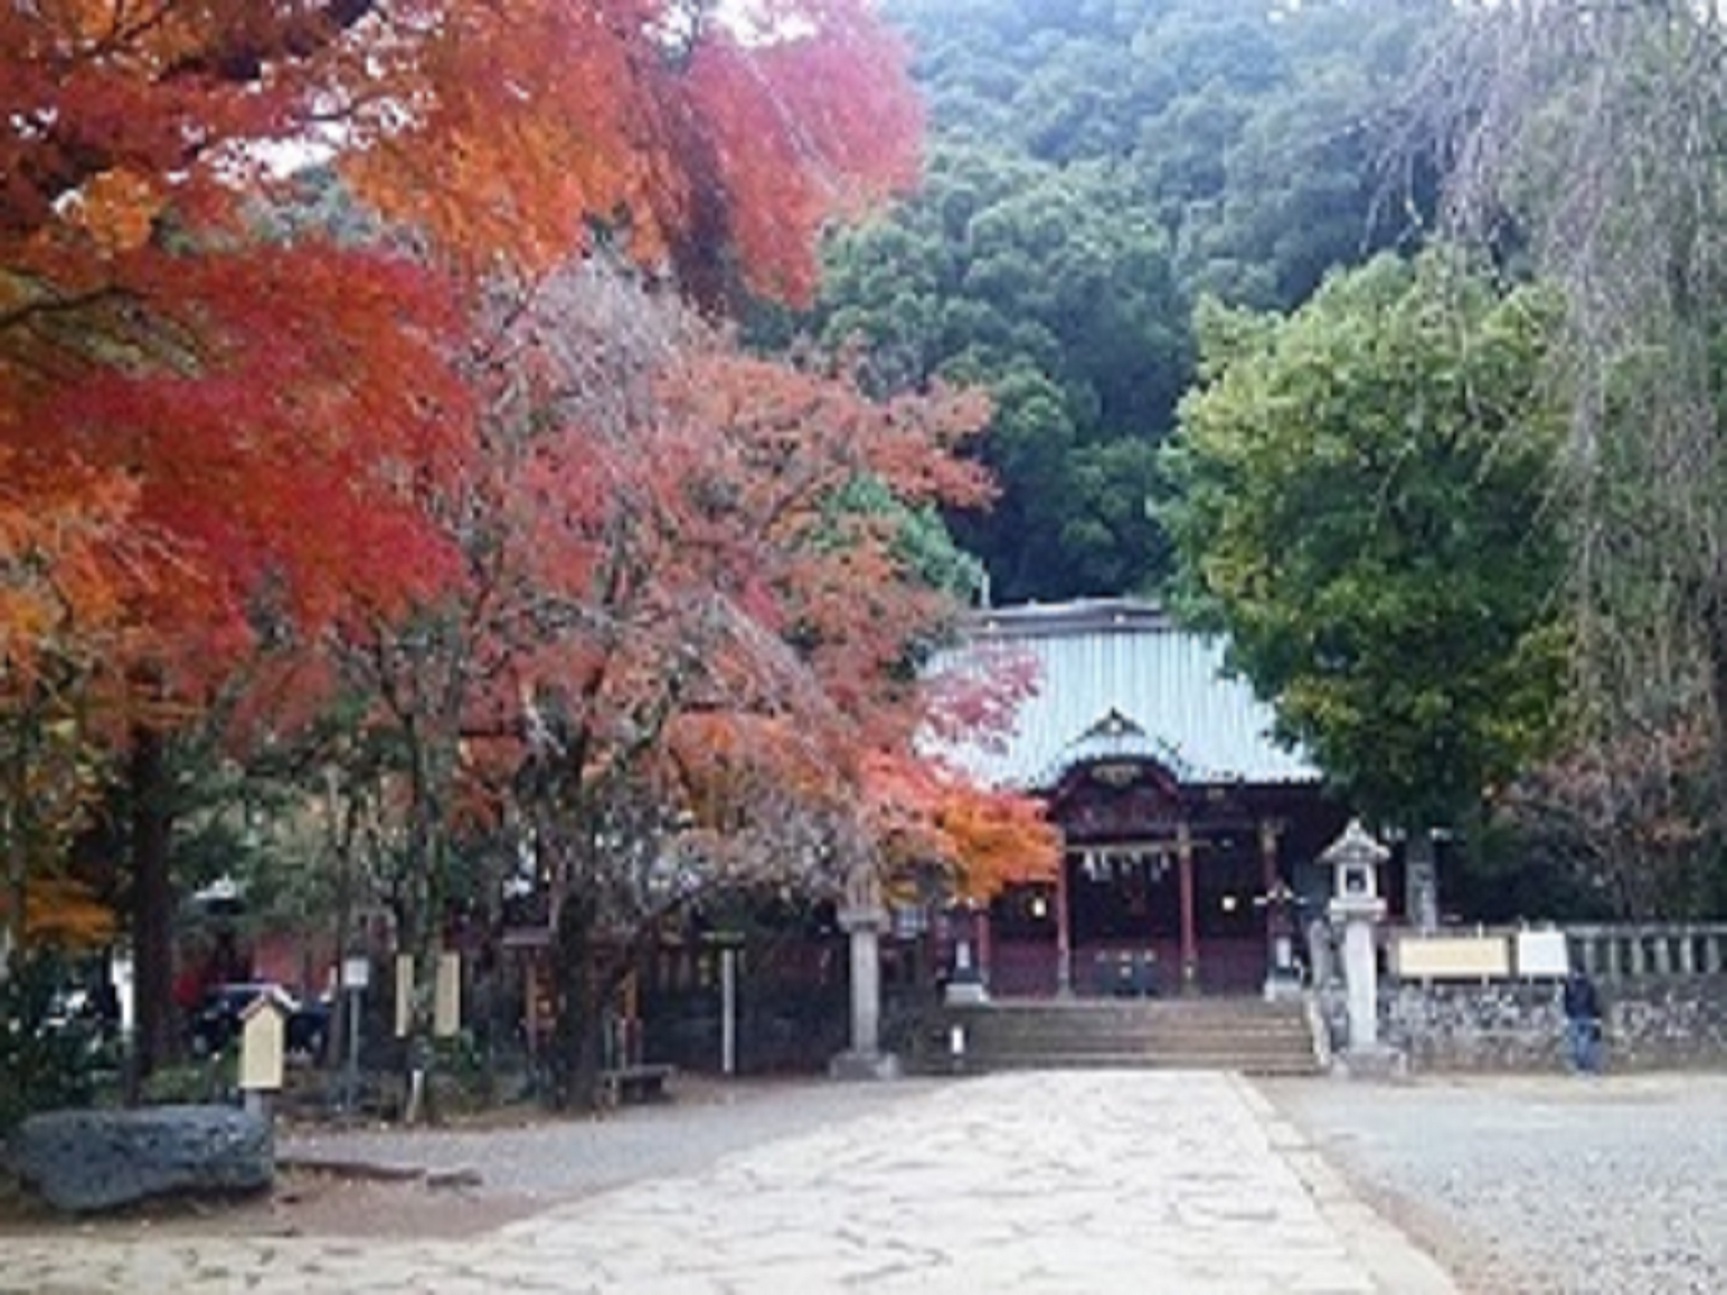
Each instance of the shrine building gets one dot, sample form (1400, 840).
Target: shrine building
(1190, 834)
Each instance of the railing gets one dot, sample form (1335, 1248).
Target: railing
(1606, 951)
(1624, 951)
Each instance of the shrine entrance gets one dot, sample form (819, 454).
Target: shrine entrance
(1127, 916)
(1165, 888)
(1190, 833)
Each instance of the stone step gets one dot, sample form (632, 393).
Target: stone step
(984, 1045)
(1282, 1064)
(1245, 1055)
(992, 1030)
(1055, 1030)
(1248, 1035)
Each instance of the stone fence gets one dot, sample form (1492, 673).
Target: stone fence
(1486, 999)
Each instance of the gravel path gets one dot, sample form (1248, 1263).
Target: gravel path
(1536, 1184)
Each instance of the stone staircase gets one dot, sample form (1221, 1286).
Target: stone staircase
(1241, 1034)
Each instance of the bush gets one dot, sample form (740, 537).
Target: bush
(464, 1075)
(49, 1056)
(212, 1079)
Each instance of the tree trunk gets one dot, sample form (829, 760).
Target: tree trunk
(576, 1040)
(421, 1055)
(1715, 634)
(17, 889)
(152, 902)
(13, 815)
(428, 844)
(343, 828)
(17, 830)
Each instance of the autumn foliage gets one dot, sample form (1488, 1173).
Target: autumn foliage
(63, 914)
(180, 393)
(664, 570)
(978, 841)
(448, 433)
(150, 342)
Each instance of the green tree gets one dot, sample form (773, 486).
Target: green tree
(1095, 164)
(1039, 284)
(1363, 505)
(1590, 142)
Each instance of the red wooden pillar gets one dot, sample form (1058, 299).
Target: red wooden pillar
(1271, 890)
(983, 949)
(1189, 929)
(1063, 936)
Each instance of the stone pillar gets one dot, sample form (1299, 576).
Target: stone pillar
(1361, 976)
(863, 918)
(866, 985)
(1189, 928)
(1421, 882)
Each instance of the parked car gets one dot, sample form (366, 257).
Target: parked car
(215, 1025)
(85, 1016)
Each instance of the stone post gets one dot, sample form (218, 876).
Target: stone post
(863, 918)
(1421, 882)
(1357, 905)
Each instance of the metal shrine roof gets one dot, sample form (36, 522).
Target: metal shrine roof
(1117, 678)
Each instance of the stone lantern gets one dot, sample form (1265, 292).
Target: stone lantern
(1356, 905)
(1355, 858)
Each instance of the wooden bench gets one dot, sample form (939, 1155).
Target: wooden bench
(635, 1084)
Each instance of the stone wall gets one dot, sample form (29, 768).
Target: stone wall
(1652, 1023)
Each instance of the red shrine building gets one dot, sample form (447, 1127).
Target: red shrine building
(1190, 835)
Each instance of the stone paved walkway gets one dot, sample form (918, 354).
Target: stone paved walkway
(1083, 1183)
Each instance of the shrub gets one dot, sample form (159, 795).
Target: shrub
(49, 1056)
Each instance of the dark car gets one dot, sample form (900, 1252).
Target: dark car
(215, 1025)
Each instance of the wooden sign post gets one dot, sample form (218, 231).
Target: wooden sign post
(263, 1033)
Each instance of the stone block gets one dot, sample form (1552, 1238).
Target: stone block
(854, 1065)
(96, 1160)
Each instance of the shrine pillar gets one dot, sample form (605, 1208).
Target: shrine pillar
(1189, 928)
(1279, 903)
(1063, 933)
(965, 983)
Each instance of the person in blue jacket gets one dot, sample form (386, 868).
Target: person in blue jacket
(1582, 1007)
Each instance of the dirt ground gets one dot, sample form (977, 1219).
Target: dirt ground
(357, 1200)
(395, 1184)
(302, 1203)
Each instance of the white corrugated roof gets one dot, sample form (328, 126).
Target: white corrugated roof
(1126, 657)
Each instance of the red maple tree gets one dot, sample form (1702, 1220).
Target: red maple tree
(677, 647)
(271, 412)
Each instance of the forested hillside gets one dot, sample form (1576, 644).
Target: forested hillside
(1094, 167)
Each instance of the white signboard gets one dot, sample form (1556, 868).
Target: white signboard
(356, 973)
(1541, 953)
